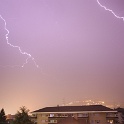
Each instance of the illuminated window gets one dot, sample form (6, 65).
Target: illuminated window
(110, 121)
(51, 115)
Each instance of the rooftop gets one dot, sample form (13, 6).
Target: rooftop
(74, 108)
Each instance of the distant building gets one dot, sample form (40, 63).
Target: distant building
(92, 114)
(120, 115)
(10, 118)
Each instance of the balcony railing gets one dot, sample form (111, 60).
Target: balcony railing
(52, 116)
(67, 115)
(111, 115)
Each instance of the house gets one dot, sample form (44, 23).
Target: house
(91, 114)
(10, 118)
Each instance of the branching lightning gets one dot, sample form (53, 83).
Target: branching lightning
(29, 56)
(119, 17)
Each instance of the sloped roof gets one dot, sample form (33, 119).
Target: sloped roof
(120, 110)
(74, 108)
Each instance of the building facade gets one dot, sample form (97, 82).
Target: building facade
(120, 115)
(92, 114)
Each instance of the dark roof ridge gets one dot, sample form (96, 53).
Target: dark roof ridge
(75, 108)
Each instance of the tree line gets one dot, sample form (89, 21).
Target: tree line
(21, 117)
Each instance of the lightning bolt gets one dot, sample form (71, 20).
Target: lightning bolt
(119, 17)
(29, 56)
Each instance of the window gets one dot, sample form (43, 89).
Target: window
(110, 121)
(51, 115)
(52, 121)
(33, 115)
(59, 115)
(43, 121)
(80, 115)
(111, 114)
(97, 121)
(96, 114)
(43, 115)
(63, 115)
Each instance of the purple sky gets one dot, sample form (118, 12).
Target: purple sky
(78, 45)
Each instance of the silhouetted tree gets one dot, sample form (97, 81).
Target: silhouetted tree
(3, 117)
(22, 116)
